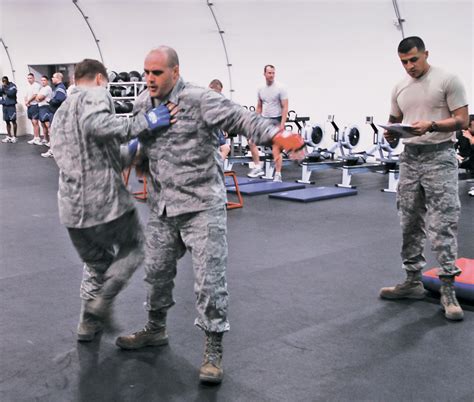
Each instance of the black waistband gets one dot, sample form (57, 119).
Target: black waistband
(421, 149)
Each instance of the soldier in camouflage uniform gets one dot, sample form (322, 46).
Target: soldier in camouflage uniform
(187, 201)
(94, 203)
(434, 103)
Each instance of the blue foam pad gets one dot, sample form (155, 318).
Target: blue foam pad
(241, 180)
(314, 194)
(266, 187)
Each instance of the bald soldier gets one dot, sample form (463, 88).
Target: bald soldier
(188, 202)
(94, 204)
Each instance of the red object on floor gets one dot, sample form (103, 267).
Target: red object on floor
(240, 203)
(464, 283)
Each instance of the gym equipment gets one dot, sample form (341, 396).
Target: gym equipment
(134, 76)
(310, 194)
(266, 187)
(116, 91)
(463, 285)
(141, 195)
(128, 106)
(308, 167)
(345, 143)
(242, 181)
(319, 158)
(123, 77)
(386, 161)
(313, 135)
(112, 76)
(232, 204)
(120, 107)
(384, 148)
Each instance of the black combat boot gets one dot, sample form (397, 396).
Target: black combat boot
(211, 368)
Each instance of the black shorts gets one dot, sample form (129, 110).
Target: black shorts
(33, 112)
(9, 112)
(45, 114)
(275, 120)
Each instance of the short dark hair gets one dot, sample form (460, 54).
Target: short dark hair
(45, 76)
(409, 43)
(88, 69)
(215, 83)
(30, 74)
(268, 65)
(5, 78)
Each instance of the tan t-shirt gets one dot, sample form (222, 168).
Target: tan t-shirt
(431, 97)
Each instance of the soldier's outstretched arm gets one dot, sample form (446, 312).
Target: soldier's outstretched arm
(231, 117)
(98, 119)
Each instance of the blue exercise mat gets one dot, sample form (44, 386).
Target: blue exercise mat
(241, 180)
(265, 187)
(314, 194)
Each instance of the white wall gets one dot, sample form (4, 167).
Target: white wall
(336, 57)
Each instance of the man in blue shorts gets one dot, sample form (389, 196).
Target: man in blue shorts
(8, 100)
(43, 98)
(32, 108)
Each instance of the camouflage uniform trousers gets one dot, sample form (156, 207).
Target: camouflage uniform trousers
(111, 253)
(204, 234)
(428, 204)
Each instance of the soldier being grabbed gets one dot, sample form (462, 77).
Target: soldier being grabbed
(188, 202)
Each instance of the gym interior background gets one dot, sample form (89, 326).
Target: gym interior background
(335, 57)
(306, 320)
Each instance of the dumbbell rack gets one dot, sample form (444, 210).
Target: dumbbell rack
(137, 85)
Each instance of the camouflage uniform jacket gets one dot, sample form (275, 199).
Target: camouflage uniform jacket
(86, 146)
(185, 165)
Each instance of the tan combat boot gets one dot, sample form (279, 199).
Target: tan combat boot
(412, 288)
(211, 368)
(449, 303)
(89, 325)
(153, 334)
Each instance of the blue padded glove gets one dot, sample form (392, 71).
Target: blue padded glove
(159, 117)
(128, 152)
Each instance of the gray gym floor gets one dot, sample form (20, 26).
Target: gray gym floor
(306, 320)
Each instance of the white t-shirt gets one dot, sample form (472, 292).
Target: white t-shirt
(431, 97)
(47, 92)
(33, 89)
(271, 97)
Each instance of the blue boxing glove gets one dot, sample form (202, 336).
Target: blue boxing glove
(128, 152)
(159, 117)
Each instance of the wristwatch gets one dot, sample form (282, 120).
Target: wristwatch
(434, 127)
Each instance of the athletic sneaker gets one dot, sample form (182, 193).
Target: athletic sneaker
(471, 192)
(7, 139)
(37, 141)
(256, 172)
(44, 142)
(47, 154)
(32, 141)
(13, 140)
(277, 178)
(48, 144)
